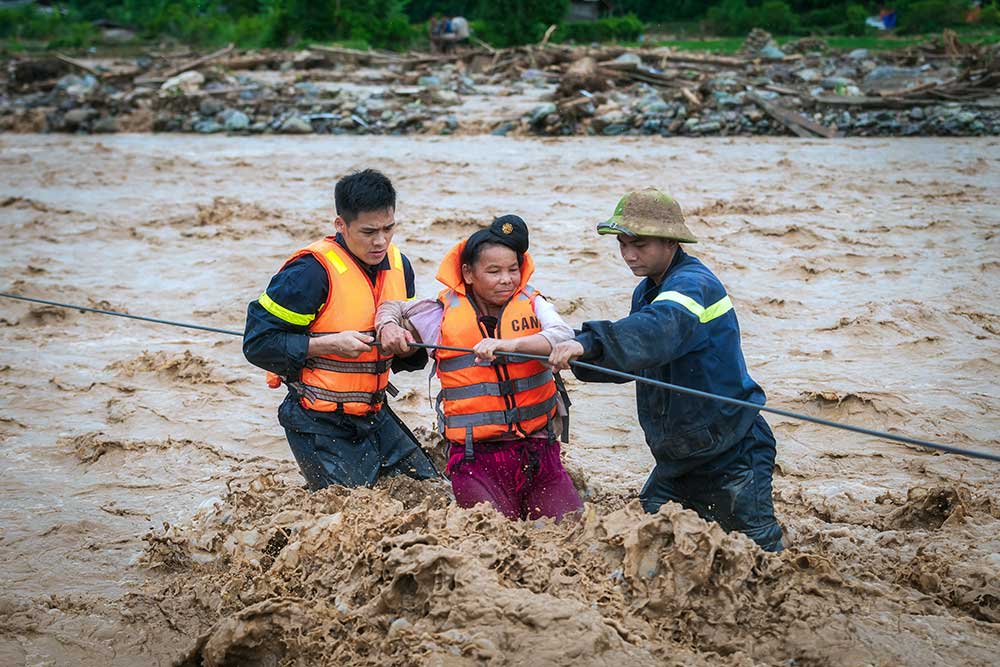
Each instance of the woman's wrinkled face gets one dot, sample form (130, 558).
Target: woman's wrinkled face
(494, 276)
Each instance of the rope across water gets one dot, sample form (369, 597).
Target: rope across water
(988, 456)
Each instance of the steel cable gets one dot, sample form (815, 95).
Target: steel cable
(988, 456)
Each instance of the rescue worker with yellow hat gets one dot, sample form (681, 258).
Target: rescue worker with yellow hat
(313, 329)
(711, 457)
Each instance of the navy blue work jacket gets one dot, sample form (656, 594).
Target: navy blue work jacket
(683, 331)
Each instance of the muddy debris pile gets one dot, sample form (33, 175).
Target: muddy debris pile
(803, 88)
(399, 575)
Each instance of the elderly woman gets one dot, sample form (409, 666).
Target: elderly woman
(500, 414)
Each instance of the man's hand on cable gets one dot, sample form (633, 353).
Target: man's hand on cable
(350, 344)
(487, 348)
(563, 353)
(394, 339)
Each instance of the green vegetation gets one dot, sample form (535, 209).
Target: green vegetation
(615, 29)
(518, 21)
(401, 24)
(730, 45)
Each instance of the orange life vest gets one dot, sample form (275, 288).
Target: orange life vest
(331, 383)
(485, 402)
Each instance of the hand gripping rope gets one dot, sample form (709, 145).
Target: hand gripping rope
(988, 456)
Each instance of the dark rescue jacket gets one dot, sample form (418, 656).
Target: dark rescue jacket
(683, 331)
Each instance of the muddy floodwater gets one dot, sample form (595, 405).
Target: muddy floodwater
(151, 512)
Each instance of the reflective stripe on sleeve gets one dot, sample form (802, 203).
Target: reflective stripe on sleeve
(717, 309)
(282, 313)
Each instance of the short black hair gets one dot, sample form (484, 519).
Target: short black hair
(363, 191)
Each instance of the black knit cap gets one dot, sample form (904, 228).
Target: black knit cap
(508, 230)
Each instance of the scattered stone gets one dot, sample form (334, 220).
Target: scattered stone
(208, 126)
(210, 106)
(74, 118)
(808, 75)
(187, 82)
(503, 129)
(834, 82)
(106, 125)
(771, 52)
(540, 112)
(296, 125)
(234, 120)
(629, 59)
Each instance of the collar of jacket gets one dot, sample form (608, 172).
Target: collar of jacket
(450, 272)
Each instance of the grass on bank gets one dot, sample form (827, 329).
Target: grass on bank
(730, 45)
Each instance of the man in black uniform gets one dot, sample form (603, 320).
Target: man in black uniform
(339, 434)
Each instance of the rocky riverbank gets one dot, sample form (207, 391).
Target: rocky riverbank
(942, 88)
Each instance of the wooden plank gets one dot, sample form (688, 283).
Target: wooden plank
(78, 64)
(174, 71)
(795, 122)
(781, 90)
(691, 97)
(723, 61)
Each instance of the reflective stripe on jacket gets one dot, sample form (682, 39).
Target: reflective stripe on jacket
(331, 383)
(683, 331)
(485, 402)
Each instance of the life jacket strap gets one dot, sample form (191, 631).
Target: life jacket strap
(564, 394)
(341, 366)
(461, 362)
(469, 453)
(509, 417)
(314, 393)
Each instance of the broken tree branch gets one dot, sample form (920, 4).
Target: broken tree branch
(78, 64)
(174, 71)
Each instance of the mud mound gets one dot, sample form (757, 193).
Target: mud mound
(927, 508)
(91, 447)
(185, 366)
(748, 207)
(34, 204)
(385, 577)
(861, 407)
(225, 209)
(457, 224)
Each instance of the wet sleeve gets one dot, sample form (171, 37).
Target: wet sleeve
(276, 336)
(418, 359)
(554, 328)
(655, 334)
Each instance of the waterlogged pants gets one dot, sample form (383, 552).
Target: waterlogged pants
(522, 479)
(350, 450)
(734, 489)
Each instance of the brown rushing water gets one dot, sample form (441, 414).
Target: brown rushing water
(864, 273)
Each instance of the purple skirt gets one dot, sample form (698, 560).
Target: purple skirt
(522, 479)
